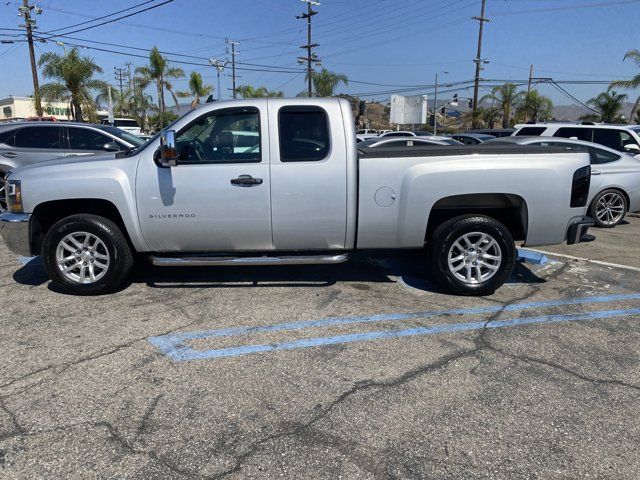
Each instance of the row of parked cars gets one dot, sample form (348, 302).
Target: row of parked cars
(614, 151)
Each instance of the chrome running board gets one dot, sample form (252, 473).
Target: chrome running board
(214, 261)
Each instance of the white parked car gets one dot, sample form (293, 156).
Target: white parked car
(367, 131)
(623, 138)
(615, 177)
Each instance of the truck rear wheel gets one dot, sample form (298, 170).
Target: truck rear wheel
(472, 254)
(86, 255)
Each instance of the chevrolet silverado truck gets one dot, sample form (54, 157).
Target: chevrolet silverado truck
(282, 182)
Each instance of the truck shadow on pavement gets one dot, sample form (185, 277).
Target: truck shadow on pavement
(407, 269)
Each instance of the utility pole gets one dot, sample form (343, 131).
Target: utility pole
(128, 64)
(30, 25)
(311, 57)
(528, 91)
(478, 60)
(233, 65)
(121, 74)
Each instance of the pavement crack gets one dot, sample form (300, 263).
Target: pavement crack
(556, 366)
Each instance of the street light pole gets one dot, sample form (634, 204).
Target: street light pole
(29, 23)
(219, 65)
(435, 105)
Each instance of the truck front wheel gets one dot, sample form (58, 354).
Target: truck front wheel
(472, 254)
(86, 255)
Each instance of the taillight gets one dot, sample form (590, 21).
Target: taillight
(580, 186)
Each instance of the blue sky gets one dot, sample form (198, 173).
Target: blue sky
(391, 42)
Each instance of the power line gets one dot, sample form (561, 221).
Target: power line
(104, 16)
(116, 19)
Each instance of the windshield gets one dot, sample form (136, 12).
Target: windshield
(127, 137)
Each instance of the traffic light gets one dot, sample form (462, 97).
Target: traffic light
(443, 110)
(470, 103)
(454, 102)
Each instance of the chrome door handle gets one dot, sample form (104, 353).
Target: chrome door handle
(246, 181)
(596, 172)
(9, 154)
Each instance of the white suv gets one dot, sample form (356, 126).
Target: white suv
(623, 138)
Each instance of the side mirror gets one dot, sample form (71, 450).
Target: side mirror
(111, 147)
(632, 147)
(167, 153)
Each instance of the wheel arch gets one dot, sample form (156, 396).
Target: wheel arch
(506, 208)
(46, 214)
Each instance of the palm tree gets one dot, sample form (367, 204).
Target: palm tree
(158, 71)
(634, 56)
(120, 100)
(507, 99)
(326, 82)
(248, 91)
(197, 89)
(75, 80)
(536, 107)
(609, 104)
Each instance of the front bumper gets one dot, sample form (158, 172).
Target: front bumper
(577, 231)
(14, 229)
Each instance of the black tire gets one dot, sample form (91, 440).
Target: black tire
(449, 232)
(121, 257)
(594, 204)
(3, 186)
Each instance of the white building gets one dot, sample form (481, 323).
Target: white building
(17, 108)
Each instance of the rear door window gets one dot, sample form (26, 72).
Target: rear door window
(533, 131)
(585, 134)
(87, 139)
(39, 137)
(599, 156)
(304, 134)
(611, 138)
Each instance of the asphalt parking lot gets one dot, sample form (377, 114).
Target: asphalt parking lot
(363, 370)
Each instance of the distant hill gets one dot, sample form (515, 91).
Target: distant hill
(574, 112)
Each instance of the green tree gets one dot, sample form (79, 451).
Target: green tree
(74, 75)
(248, 91)
(159, 72)
(505, 97)
(634, 83)
(159, 120)
(325, 82)
(535, 107)
(197, 89)
(609, 104)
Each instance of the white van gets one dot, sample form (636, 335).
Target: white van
(623, 138)
(127, 124)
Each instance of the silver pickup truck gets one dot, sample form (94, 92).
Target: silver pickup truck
(282, 182)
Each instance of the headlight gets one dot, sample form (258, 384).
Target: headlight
(14, 196)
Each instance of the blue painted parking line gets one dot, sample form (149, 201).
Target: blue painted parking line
(183, 354)
(174, 346)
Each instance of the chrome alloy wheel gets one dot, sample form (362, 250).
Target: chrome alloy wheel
(82, 257)
(474, 258)
(610, 208)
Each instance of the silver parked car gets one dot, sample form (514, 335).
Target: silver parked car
(25, 143)
(402, 142)
(615, 182)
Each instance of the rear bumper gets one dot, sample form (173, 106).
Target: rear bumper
(577, 231)
(14, 229)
